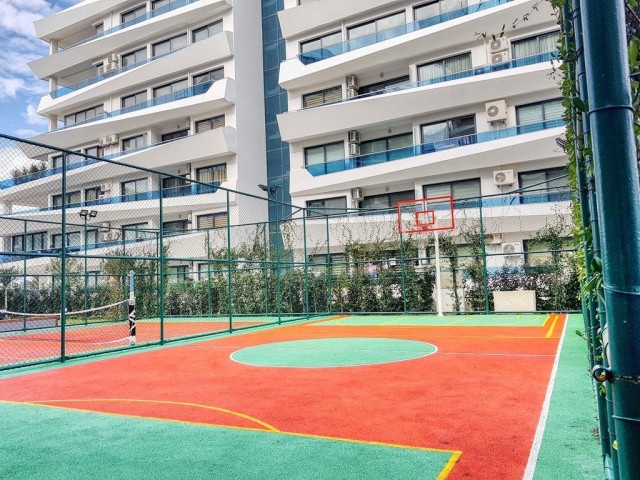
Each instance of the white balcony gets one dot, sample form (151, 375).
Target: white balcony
(212, 49)
(65, 62)
(387, 53)
(381, 110)
(221, 94)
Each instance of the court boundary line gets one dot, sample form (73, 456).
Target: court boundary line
(546, 405)
(444, 473)
(457, 324)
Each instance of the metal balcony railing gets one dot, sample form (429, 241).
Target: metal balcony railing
(426, 148)
(343, 47)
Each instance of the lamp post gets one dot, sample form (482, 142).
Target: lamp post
(86, 215)
(272, 191)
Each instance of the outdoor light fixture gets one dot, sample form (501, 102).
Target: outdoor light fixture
(270, 189)
(84, 213)
(561, 142)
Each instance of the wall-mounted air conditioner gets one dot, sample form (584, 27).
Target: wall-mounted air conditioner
(190, 218)
(352, 92)
(354, 150)
(503, 177)
(496, 111)
(512, 248)
(357, 194)
(493, 238)
(352, 81)
(498, 44)
(499, 57)
(188, 169)
(354, 136)
(105, 187)
(112, 58)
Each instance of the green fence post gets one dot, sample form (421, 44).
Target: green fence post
(63, 262)
(162, 259)
(277, 242)
(24, 279)
(329, 268)
(306, 264)
(210, 306)
(485, 274)
(616, 170)
(229, 265)
(404, 276)
(265, 269)
(86, 300)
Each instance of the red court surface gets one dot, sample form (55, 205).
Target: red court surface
(481, 393)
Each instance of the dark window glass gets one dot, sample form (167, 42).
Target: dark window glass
(170, 88)
(94, 151)
(321, 42)
(212, 220)
(214, 173)
(178, 226)
(539, 112)
(548, 185)
(387, 200)
(169, 45)
(173, 182)
(155, 4)
(132, 58)
(209, 124)
(91, 194)
(380, 86)
(72, 198)
(134, 231)
(535, 45)
(133, 13)
(328, 95)
(167, 137)
(433, 9)
(88, 114)
(135, 186)
(206, 31)
(324, 153)
(29, 242)
(327, 206)
(132, 143)
(459, 190)
(447, 67)
(211, 76)
(377, 25)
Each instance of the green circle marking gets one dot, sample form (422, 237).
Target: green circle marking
(332, 352)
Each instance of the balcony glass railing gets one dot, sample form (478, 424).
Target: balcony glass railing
(366, 40)
(518, 62)
(183, 191)
(142, 18)
(171, 97)
(98, 78)
(425, 148)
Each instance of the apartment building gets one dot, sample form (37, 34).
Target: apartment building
(170, 85)
(392, 100)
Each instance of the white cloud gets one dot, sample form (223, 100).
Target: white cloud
(26, 133)
(32, 117)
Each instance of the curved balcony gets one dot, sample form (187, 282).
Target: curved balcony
(426, 148)
(313, 56)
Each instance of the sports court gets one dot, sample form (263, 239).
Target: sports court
(343, 396)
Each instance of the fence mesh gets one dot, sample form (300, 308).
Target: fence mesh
(205, 259)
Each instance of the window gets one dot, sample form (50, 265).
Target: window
(214, 173)
(134, 187)
(167, 137)
(447, 67)
(535, 45)
(73, 240)
(155, 4)
(379, 88)
(94, 151)
(210, 76)
(29, 242)
(93, 278)
(99, 28)
(134, 13)
(178, 226)
(460, 190)
(174, 182)
(132, 58)
(377, 26)
(91, 194)
(169, 45)
(387, 200)
(386, 144)
(72, 198)
(134, 231)
(212, 220)
(434, 9)
(322, 42)
(132, 100)
(327, 206)
(539, 181)
(324, 153)
(337, 262)
(92, 238)
(179, 273)
(209, 124)
(327, 95)
(539, 253)
(448, 133)
(206, 31)
(56, 162)
(88, 114)
(203, 271)
(532, 117)
(170, 88)
(132, 143)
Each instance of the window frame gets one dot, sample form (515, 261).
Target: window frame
(320, 37)
(324, 93)
(311, 214)
(213, 216)
(467, 204)
(132, 10)
(213, 121)
(207, 26)
(324, 146)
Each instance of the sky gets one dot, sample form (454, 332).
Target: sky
(20, 89)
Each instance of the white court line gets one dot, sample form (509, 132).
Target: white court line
(498, 354)
(542, 423)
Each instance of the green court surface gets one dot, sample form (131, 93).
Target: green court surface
(491, 320)
(77, 445)
(332, 352)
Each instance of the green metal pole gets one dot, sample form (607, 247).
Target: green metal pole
(306, 265)
(266, 271)
(329, 269)
(63, 263)
(24, 279)
(86, 300)
(582, 131)
(277, 242)
(162, 259)
(404, 276)
(229, 265)
(485, 274)
(618, 200)
(209, 301)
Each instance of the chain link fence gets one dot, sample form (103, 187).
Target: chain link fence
(206, 260)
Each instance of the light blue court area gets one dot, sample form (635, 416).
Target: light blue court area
(491, 320)
(332, 352)
(59, 444)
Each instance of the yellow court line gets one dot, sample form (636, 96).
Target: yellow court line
(553, 325)
(455, 454)
(163, 402)
(546, 320)
(463, 319)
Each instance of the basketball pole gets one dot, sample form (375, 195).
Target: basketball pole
(132, 310)
(438, 287)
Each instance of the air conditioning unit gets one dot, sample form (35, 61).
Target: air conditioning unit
(354, 136)
(112, 139)
(102, 70)
(354, 150)
(352, 81)
(188, 169)
(498, 44)
(105, 187)
(499, 57)
(356, 194)
(493, 238)
(496, 111)
(112, 58)
(352, 92)
(190, 218)
(108, 67)
(102, 141)
(503, 177)
(512, 248)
